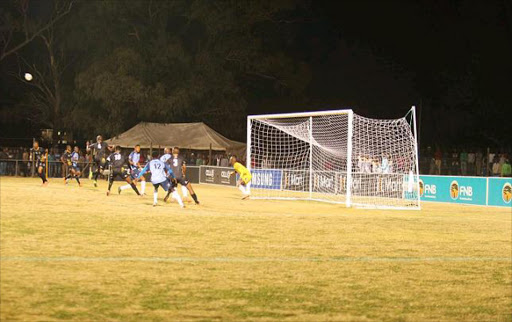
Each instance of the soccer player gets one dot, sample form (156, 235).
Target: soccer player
(99, 151)
(117, 162)
(244, 183)
(179, 168)
(167, 155)
(160, 173)
(38, 156)
(74, 166)
(135, 167)
(66, 162)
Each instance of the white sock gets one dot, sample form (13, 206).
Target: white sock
(242, 188)
(184, 191)
(248, 188)
(142, 187)
(126, 186)
(176, 196)
(155, 196)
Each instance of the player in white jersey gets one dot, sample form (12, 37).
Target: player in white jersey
(160, 173)
(135, 168)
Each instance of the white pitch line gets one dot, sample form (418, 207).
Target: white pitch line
(253, 259)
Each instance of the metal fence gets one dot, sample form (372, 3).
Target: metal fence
(25, 168)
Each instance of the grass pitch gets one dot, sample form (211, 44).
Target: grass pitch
(70, 253)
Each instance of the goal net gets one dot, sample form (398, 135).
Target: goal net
(334, 156)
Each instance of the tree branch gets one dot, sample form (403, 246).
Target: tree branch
(29, 38)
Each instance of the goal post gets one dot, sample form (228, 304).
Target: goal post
(334, 156)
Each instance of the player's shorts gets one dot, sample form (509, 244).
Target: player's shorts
(75, 168)
(182, 181)
(119, 173)
(134, 173)
(40, 164)
(246, 178)
(100, 163)
(166, 185)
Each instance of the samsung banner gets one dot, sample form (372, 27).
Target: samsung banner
(266, 179)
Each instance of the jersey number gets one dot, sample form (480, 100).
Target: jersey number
(117, 157)
(175, 162)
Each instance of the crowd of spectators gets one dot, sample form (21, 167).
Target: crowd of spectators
(465, 162)
(16, 160)
(434, 161)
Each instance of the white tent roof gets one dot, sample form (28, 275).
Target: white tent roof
(194, 136)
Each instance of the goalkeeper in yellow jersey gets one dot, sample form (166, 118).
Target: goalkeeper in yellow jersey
(244, 183)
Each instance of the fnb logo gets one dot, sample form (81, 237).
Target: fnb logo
(210, 172)
(466, 191)
(457, 191)
(427, 189)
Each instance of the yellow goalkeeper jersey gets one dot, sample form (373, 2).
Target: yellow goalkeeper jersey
(245, 174)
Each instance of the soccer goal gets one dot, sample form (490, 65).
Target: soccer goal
(334, 156)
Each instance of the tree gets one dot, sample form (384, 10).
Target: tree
(19, 26)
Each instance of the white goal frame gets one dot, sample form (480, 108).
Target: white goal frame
(349, 152)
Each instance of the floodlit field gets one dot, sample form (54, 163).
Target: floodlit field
(70, 253)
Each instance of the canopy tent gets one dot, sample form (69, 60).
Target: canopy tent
(193, 136)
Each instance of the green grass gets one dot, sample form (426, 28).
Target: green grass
(70, 253)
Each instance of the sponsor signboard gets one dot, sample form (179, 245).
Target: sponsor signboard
(266, 179)
(216, 175)
(295, 180)
(193, 174)
(465, 190)
(500, 192)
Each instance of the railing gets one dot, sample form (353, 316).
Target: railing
(26, 168)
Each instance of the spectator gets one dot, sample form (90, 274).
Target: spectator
(471, 163)
(502, 159)
(478, 163)
(217, 160)
(25, 167)
(3, 163)
(199, 160)
(496, 167)
(490, 162)
(506, 169)
(438, 156)
(51, 164)
(455, 166)
(224, 162)
(463, 162)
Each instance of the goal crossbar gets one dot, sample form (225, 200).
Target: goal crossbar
(300, 114)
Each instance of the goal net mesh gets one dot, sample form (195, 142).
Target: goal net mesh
(310, 157)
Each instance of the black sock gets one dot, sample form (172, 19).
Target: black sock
(68, 177)
(77, 180)
(42, 175)
(110, 182)
(135, 188)
(194, 196)
(96, 174)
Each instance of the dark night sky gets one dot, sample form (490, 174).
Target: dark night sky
(451, 58)
(380, 57)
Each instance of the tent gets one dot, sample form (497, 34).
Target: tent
(193, 136)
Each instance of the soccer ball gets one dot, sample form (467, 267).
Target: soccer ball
(28, 77)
